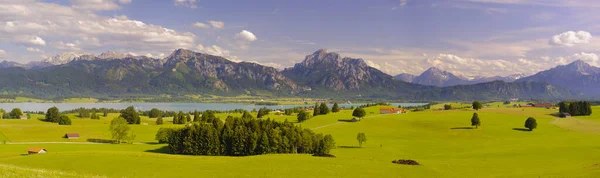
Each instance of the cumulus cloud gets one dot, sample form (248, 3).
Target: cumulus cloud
(246, 36)
(31, 40)
(590, 58)
(480, 67)
(217, 24)
(200, 25)
(2, 53)
(30, 21)
(217, 51)
(571, 38)
(186, 3)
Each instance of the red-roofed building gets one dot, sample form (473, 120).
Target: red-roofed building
(34, 150)
(390, 111)
(72, 135)
(543, 105)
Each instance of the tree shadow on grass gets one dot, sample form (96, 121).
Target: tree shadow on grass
(346, 120)
(163, 150)
(462, 128)
(522, 129)
(349, 147)
(100, 140)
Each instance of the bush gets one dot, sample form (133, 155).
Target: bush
(405, 162)
(159, 120)
(162, 136)
(359, 112)
(530, 123)
(64, 120)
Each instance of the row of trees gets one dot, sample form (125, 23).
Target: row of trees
(243, 137)
(576, 108)
(53, 115)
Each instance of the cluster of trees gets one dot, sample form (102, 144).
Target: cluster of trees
(95, 116)
(303, 116)
(374, 104)
(181, 118)
(320, 109)
(447, 107)
(53, 115)
(576, 108)
(15, 113)
(243, 137)
(130, 115)
(85, 111)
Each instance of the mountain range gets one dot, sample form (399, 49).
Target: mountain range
(321, 74)
(578, 76)
(436, 77)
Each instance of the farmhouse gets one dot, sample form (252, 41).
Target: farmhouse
(389, 111)
(542, 105)
(72, 135)
(34, 150)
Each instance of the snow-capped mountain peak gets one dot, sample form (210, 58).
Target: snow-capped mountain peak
(66, 57)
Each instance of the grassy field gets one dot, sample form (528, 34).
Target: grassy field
(442, 141)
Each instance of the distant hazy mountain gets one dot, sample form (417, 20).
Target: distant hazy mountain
(405, 77)
(577, 76)
(496, 90)
(436, 77)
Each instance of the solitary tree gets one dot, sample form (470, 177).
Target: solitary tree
(335, 107)
(119, 129)
(130, 115)
(359, 112)
(52, 114)
(361, 137)
(475, 120)
(154, 113)
(531, 123)
(15, 113)
(159, 120)
(303, 116)
(323, 109)
(477, 105)
(64, 120)
(317, 110)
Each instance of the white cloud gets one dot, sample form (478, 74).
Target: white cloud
(200, 25)
(217, 51)
(590, 58)
(403, 2)
(571, 38)
(31, 40)
(30, 49)
(67, 46)
(97, 5)
(124, 1)
(217, 24)
(29, 21)
(246, 36)
(2, 53)
(186, 3)
(481, 67)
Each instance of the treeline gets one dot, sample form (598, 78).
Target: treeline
(418, 108)
(576, 108)
(374, 104)
(244, 137)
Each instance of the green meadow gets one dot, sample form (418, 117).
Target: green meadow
(443, 142)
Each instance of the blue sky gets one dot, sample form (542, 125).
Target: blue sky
(468, 37)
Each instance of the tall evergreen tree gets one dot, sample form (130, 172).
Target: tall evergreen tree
(323, 109)
(475, 120)
(317, 110)
(196, 116)
(335, 107)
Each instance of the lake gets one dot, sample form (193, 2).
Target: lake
(186, 107)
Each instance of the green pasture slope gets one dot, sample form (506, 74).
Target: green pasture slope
(441, 141)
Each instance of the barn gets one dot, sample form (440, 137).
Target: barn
(34, 150)
(72, 136)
